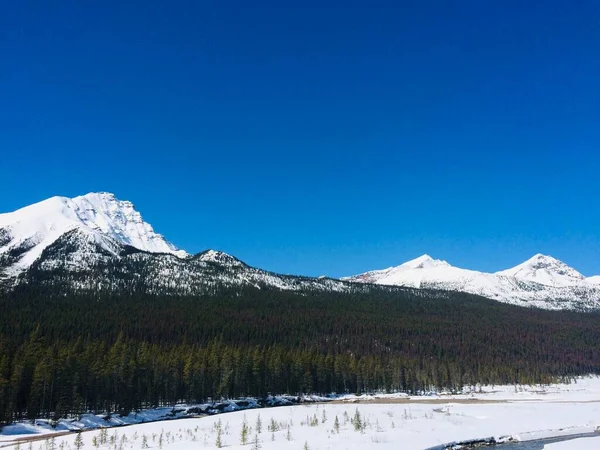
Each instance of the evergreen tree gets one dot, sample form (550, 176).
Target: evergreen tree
(245, 431)
(219, 440)
(357, 421)
(258, 424)
(256, 443)
(78, 441)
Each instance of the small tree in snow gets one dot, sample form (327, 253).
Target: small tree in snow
(258, 425)
(256, 443)
(273, 426)
(357, 421)
(78, 441)
(244, 435)
(219, 441)
(103, 436)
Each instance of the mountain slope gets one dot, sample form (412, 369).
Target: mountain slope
(74, 262)
(96, 242)
(541, 281)
(100, 217)
(544, 270)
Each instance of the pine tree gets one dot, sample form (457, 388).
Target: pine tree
(273, 426)
(258, 425)
(219, 441)
(103, 436)
(78, 441)
(336, 425)
(357, 421)
(256, 443)
(244, 435)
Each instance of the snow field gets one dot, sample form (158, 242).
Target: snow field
(385, 426)
(389, 421)
(576, 444)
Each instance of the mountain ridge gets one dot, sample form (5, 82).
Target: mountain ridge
(97, 242)
(27, 231)
(541, 281)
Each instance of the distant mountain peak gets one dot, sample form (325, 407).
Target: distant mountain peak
(542, 281)
(29, 230)
(543, 259)
(544, 269)
(219, 257)
(417, 267)
(424, 262)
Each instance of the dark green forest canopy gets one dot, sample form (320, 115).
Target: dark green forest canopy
(65, 354)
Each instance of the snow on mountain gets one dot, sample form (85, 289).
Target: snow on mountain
(218, 257)
(90, 242)
(411, 273)
(96, 242)
(25, 233)
(593, 280)
(541, 281)
(544, 270)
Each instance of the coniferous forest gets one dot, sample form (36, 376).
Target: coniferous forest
(63, 355)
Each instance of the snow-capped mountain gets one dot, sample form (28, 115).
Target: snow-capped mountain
(98, 217)
(541, 281)
(544, 270)
(97, 242)
(594, 280)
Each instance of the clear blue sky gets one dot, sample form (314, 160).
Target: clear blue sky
(316, 137)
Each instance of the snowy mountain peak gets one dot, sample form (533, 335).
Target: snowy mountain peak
(424, 262)
(25, 233)
(216, 256)
(411, 273)
(544, 269)
(541, 281)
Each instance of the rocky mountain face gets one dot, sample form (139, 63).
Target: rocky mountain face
(96, 217)
(97, 242)
(541, 281)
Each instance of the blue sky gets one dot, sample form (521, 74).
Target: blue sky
(316, 137)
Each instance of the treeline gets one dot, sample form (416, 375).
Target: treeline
(63, 355)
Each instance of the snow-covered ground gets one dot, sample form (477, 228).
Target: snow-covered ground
(576, 444)
(386, 422)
